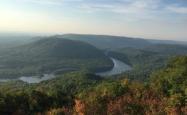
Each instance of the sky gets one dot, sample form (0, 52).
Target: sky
(153, 19)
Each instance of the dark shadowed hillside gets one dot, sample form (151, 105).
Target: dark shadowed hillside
(51, 54)
(59, 48)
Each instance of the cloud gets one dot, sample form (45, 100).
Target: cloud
(122, 6)
(129, 7)
(177, 9)
(46, 2)
(51, 2)
(137, 7)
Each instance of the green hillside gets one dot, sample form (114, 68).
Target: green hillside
(52, 54)
(84, 93)
(146, 60)
(172, 80)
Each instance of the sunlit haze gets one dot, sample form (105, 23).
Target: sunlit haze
(153, 19)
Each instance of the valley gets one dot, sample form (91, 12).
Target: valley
(55, 55)
(118, 68)
(71, 76)
(93, 57)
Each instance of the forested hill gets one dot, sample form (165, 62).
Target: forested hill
(87, 94)
(59, 48)
(51, 54)
(172, 80)
(146, 60)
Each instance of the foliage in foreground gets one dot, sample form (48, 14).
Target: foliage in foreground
(87, 94)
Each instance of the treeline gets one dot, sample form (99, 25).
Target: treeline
(86, 94)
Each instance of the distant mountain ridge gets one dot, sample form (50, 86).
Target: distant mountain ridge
(171, 42)
(107, 42)
(117, 42)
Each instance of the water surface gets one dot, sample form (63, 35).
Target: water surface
(37, 79)
(119, 67)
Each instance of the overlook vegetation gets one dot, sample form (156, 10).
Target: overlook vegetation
(172, 81)
(84, 93)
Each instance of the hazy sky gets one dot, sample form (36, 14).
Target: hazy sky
(160, 19)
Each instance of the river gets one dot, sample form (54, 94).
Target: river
(119, 67)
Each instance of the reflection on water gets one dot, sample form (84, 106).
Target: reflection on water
(36, 79)
(119, 67)
(31, 79)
